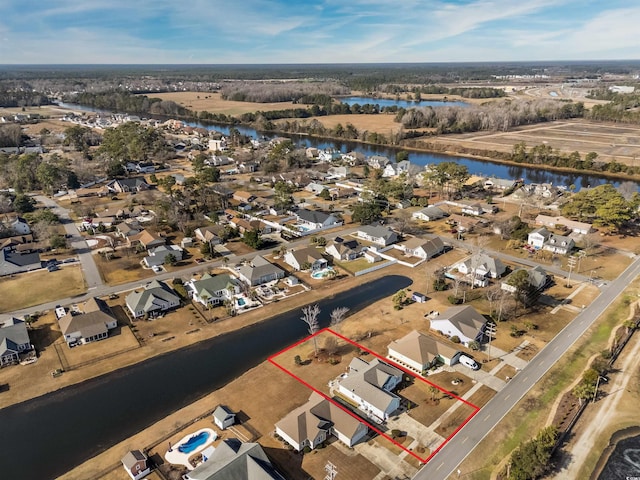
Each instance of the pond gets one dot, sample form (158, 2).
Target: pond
(390, 102)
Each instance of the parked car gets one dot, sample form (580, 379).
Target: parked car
(469, 362)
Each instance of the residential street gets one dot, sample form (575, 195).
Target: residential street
(446, 461)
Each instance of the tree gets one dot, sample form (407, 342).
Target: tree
(310, 315)
(170, 259)
(434, 391)
(331, 345)
(297, 360)
(282, 198)
(58, 241)
(399, 298)
(532, 459)
(23, 203)
(252, 238)
(338, 315)
(366, 212)
(520, 281)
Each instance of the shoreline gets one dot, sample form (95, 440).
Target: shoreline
(614, 439)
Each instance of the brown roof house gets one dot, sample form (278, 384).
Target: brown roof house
(419, 352)
(311, 424)
(303, 257)
(463, 322)
(145, 238)
(136, 464)
(92, 325)
(427, 247)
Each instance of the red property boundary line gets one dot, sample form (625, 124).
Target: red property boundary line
(346, 410)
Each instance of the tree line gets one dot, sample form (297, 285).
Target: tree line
(22, 98)
(267, 92)
(125, 102)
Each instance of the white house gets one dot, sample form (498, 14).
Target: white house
(419, 352)
(212, 290)
(429, 214)
(538, 237)
(426, 247)
(541, 238)
(311, 424)
(380, 235)
(156, 297)
(305, 256)
(223, 417)
(317, 220)
(482, 265)
(463, 322)
(370, 385)
(20, 226)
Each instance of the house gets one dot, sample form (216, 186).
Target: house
(260, 271)
(223, 417)
(472, 209)
(345, 250)
(156, 297)
(576, 227)
(426, 247)
(128, 229)
(244, 225)
(499, 183)
(328, 155)
(233, 459)
(19, 226)
(136, 464)
(243, 196)
(539, 279)
(126, 185)
(538, 237)
(419, 352)
(312, 423)
(377, 234)
(219, 160)
(396, 169)
(370, 385)
(298, 259)
(541, 238)
(212, 290)
(91, 325)
(14, 340)
(218, 145)
(377, 161)
(354, 158)
(419, 297)
(482, 265)
(316, 220)
(210, 235)
(311, 152)
(402, 204)
(338, 172)
(158, 255)
(463, 322)
(186, 242)
(13, 261)
(145, 238)
(464, 224)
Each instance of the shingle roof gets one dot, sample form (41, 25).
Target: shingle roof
(312, 216)
(465, 318)
(421, 348)
(210, 284)
(145, 299)
(13, 330)
(132, 457)
(258, 268)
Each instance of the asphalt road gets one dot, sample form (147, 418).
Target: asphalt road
(447, 460)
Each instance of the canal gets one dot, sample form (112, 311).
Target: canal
(49, 435)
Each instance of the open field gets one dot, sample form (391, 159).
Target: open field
(609, 141)
(33, 288)
(380, 123)
(213, 103)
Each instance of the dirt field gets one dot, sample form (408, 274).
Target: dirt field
(380, 123)
(34, 288)
(211, 102)
(609, 141)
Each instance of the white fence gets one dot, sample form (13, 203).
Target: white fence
(374, 268)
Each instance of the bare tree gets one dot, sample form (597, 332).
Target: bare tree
(310, 315)
(331, 345)
(338, 315)
(590, 243)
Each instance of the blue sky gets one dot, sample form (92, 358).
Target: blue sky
(316, 31)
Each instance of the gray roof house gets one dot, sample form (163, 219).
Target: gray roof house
(92, 325)
(135, 184)
(429, 214)
(345, 250)
(212, 290)
(482, 265)
(223, 417)
(378, 234)
(463, 322)
(316, 219)
(12, 261)
(538, 279)
(14, 339)
(155, 298)
(260, 271)
(234, 460)
(310, 424)
(426, 247)
(370, 385)
(158, 255)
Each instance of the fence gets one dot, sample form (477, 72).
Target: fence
(374, 268)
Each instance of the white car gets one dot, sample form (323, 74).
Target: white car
(469, 362)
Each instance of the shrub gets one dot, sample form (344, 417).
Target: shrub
(474, 345)
(395, 433)
(298, 360)
(455, 339)
(453, 300)
(306, 449)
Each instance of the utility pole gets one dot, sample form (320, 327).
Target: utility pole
(490, 329)
(571, 263)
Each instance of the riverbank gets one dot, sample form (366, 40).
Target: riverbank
(616, 438)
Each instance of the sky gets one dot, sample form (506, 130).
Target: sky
(315, 31)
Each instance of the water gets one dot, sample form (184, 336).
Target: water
(194, 442)
(50, 435)
(624, 461)
(389, 102)
(475, 167)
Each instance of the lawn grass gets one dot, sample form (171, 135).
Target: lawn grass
(531, 413)
(42, 286)
(354, 266)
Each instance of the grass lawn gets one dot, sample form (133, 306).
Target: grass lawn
(33, 288)
(354, 266)
(123, 269)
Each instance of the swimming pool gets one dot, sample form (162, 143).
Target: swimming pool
(241, 302)
(322, 273)
(194, 442)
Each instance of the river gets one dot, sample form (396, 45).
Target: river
(475, 166)
(392, 102)
(50, 435)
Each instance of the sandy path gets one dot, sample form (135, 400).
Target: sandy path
(605, 411)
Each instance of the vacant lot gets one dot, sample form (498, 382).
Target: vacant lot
(34, 288)
(212, 102)
(123, 269)
(380, 123)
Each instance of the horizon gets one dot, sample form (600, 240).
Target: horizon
(284, 32)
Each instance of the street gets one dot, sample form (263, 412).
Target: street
(446, 461)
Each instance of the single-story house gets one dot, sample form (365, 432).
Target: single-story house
(419, 352)
(429, 214)
(13, 261)
(14, 339)
(136, 464)
(463, 322)
(128, 229)
(155, 298)
(210, 235)
(122, 185)
(424, 247)
(145, 238)
(260, 271)
(223, 417)
(312, 423)
(576, 227)
(19, 226)
(212, 290)
(472, 209)
(380, 235)
(419, 297)
(303, 256)
(482, 265)
(91, 325)
(538, 278)
(233, 459)
(345, 250)
(370, 385)
(316, 220)
(158, 255)
(243, 196)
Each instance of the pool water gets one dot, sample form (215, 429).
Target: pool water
(241, 302)
(322, 273)
(194, 442)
